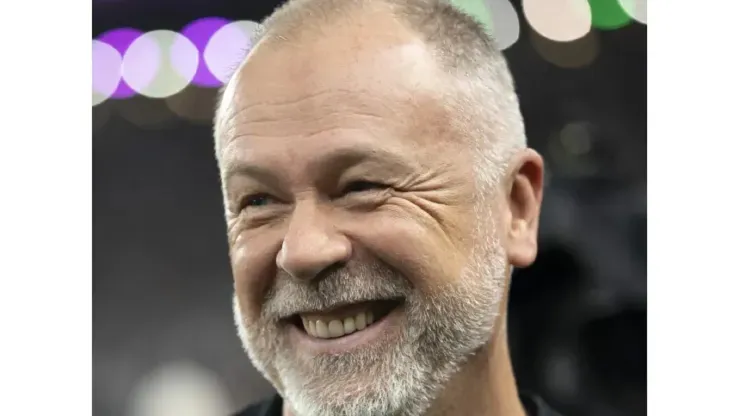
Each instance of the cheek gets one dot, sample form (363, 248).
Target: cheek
(253, 266)
(424, 253)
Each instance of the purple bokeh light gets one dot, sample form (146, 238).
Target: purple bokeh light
(186, 59)
(141, 63)
(120, 40)
(227, 47)
(160, 63)
(106, 66)
(199, 32)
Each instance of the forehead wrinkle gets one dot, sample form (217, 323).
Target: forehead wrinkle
(384, 160)
(414, 130)
(325, 102)
(323, 109)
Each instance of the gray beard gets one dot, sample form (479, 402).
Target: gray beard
(403, 376)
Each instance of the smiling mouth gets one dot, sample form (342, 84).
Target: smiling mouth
(345, 320)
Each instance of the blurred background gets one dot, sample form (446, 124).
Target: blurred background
(164, 341)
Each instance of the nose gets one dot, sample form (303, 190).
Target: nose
(312, 244)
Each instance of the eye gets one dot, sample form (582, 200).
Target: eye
(363, 186)
(255, 201)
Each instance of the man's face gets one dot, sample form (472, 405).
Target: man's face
(366, 269)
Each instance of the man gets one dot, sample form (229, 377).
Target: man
(378, 190)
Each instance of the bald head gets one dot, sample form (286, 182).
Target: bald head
(342, 39)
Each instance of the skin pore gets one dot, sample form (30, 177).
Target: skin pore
(344, 183)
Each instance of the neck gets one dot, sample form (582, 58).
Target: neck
(485, 385)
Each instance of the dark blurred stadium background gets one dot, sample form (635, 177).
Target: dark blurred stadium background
(164, 342)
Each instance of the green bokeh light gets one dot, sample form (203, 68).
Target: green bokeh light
(478, 10)
(608, 14)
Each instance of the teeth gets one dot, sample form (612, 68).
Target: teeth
(349, 325)
(322, 331)
(360, 321)
(336, 328)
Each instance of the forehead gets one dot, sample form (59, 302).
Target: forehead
(375, 70)
(379, 88)
(360, 50)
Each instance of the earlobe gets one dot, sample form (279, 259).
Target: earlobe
(524, 202)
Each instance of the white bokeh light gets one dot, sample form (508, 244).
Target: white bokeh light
(106, 65)
(636, 9)
(227, 47)
(179, 388)
(505, 22)
(559, 20)
(160, 63)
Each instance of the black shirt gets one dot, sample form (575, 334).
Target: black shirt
(533, 405)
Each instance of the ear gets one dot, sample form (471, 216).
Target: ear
(524, 200)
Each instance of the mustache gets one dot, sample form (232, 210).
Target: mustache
(351, 283)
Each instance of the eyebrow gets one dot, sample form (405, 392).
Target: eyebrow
(335, 160)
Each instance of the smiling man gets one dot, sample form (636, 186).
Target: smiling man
(378, 190)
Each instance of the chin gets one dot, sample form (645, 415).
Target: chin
(355, 395)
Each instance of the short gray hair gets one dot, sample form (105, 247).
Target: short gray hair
(485, 103)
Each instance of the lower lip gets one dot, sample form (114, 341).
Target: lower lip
(379, 330)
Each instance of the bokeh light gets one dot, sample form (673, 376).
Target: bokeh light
(636, 9)
(120, 40)
(106, 71)
(558, 20)
(101, 114)
(478, 10)
(180, 388)
(608, 14)
(571, 150)
(576, 138)
(160, 63)
(227, 47)
(199, 32)
(505, 22)
(562, 373)
(575, 54)
(184, 68)
(144, 112)
(195, 104)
